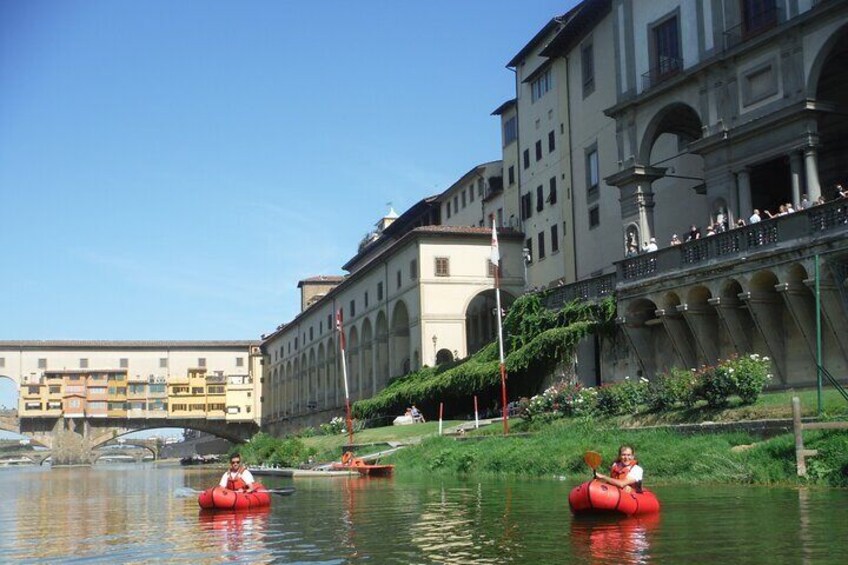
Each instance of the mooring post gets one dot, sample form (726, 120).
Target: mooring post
(797, 428)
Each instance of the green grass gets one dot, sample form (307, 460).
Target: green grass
(405, 434)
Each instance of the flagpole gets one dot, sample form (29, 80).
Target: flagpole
(496, 261)
(339, 326)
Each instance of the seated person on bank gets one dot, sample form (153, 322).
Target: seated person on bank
(417, 416)
(238, 478)
(625, 473)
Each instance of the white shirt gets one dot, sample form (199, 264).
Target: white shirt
(636, 473)
(245, 476)
(754, 219)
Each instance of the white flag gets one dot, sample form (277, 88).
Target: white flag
(495, 258)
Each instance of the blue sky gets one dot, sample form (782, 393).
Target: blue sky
(171, 169)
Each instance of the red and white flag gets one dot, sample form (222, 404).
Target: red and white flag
(495, 258)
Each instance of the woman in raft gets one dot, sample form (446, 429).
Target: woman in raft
(625, 473)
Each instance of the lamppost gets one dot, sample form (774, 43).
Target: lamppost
(527, 256)
(435, 339)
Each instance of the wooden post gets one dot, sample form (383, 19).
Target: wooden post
(801, 465)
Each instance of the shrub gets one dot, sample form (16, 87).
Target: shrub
(667, 389)
(623, 397)
(741, 376)
(752, 375)
(334, 427)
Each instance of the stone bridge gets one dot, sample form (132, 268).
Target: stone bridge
(71, 440)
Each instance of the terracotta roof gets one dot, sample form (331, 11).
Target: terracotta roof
(321, 279)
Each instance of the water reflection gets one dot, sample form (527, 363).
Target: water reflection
(233, 531)
(614, 539)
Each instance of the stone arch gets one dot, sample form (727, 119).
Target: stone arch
(353, 374)
(698, 295)
(368, 358)
(312, 378)
(444, 356)
(677, 118)
(322, 376)
(827, 86)
(481, 326)
(381, 358)
(399, 340)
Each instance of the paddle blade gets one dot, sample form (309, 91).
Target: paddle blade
(282, 491)
(592, 459)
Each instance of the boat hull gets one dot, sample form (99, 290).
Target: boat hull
(596, 497)
(365, 469)
(220, 498)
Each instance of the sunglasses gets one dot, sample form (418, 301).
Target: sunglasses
(235, 462)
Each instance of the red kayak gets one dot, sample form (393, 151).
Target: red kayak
(596, 497)
(220, 498)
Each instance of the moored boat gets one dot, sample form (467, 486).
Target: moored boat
(350, 463)
(220, 498)
(596, 497)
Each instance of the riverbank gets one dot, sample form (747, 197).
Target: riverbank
(548, 447)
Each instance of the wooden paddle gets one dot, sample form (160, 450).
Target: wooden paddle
(593, 460)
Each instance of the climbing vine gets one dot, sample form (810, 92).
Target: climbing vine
(536, 340)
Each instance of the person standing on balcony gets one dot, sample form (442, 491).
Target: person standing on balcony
(755, 217)
(694, 233)
(675, 240)
(651, 246)
(805, 202)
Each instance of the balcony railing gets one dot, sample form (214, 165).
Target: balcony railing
(756, 24)
(738, 243)
(666, 68)
(589, 289)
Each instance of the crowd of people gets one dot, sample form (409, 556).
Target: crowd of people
(721, 223)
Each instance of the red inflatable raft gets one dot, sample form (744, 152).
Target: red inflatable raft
(220, 498)
(596, 497)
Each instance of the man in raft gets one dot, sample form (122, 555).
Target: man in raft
(625, 473)
(238, 478)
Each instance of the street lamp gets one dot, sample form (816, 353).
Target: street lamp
(528, 256)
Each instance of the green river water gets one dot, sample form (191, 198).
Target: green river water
(149, 514)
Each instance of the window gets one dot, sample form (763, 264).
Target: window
(83, 363)
(594, 217)
(464, 203)
(480, 188)
(352, 308)
(510, 131)
(201, 362)
(413, 269)
(239, 361)
(442, 266)
(528, 246)
(539, 150)
(666, 49)
(758, 15)
(310, 334)
(320, 329)
(540, 198)
(399, 278)
(42, 363)
(592, 174)
(551, 141)
(365, 299)
(490, 269)
(552, 193)
(163, 363)
(379, 291)
(329, 325)
(448, 209)
(500, 217)
(455, 204)
(526, 206)
(541, 245)
(471, 193)
(541, 85)
(526, 158)
(587, 64)
(554, 239)
(511, 174)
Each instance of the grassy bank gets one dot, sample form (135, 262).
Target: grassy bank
(557, 449)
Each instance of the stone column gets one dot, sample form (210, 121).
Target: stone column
(730, 315)
(811, 167)
(703, 324)
(798, 302)
(767, 312)
(743, 189)
(796, 163)
(70, 443)
(637, 198)
(679, 336)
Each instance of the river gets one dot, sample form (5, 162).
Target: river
(148, 514)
